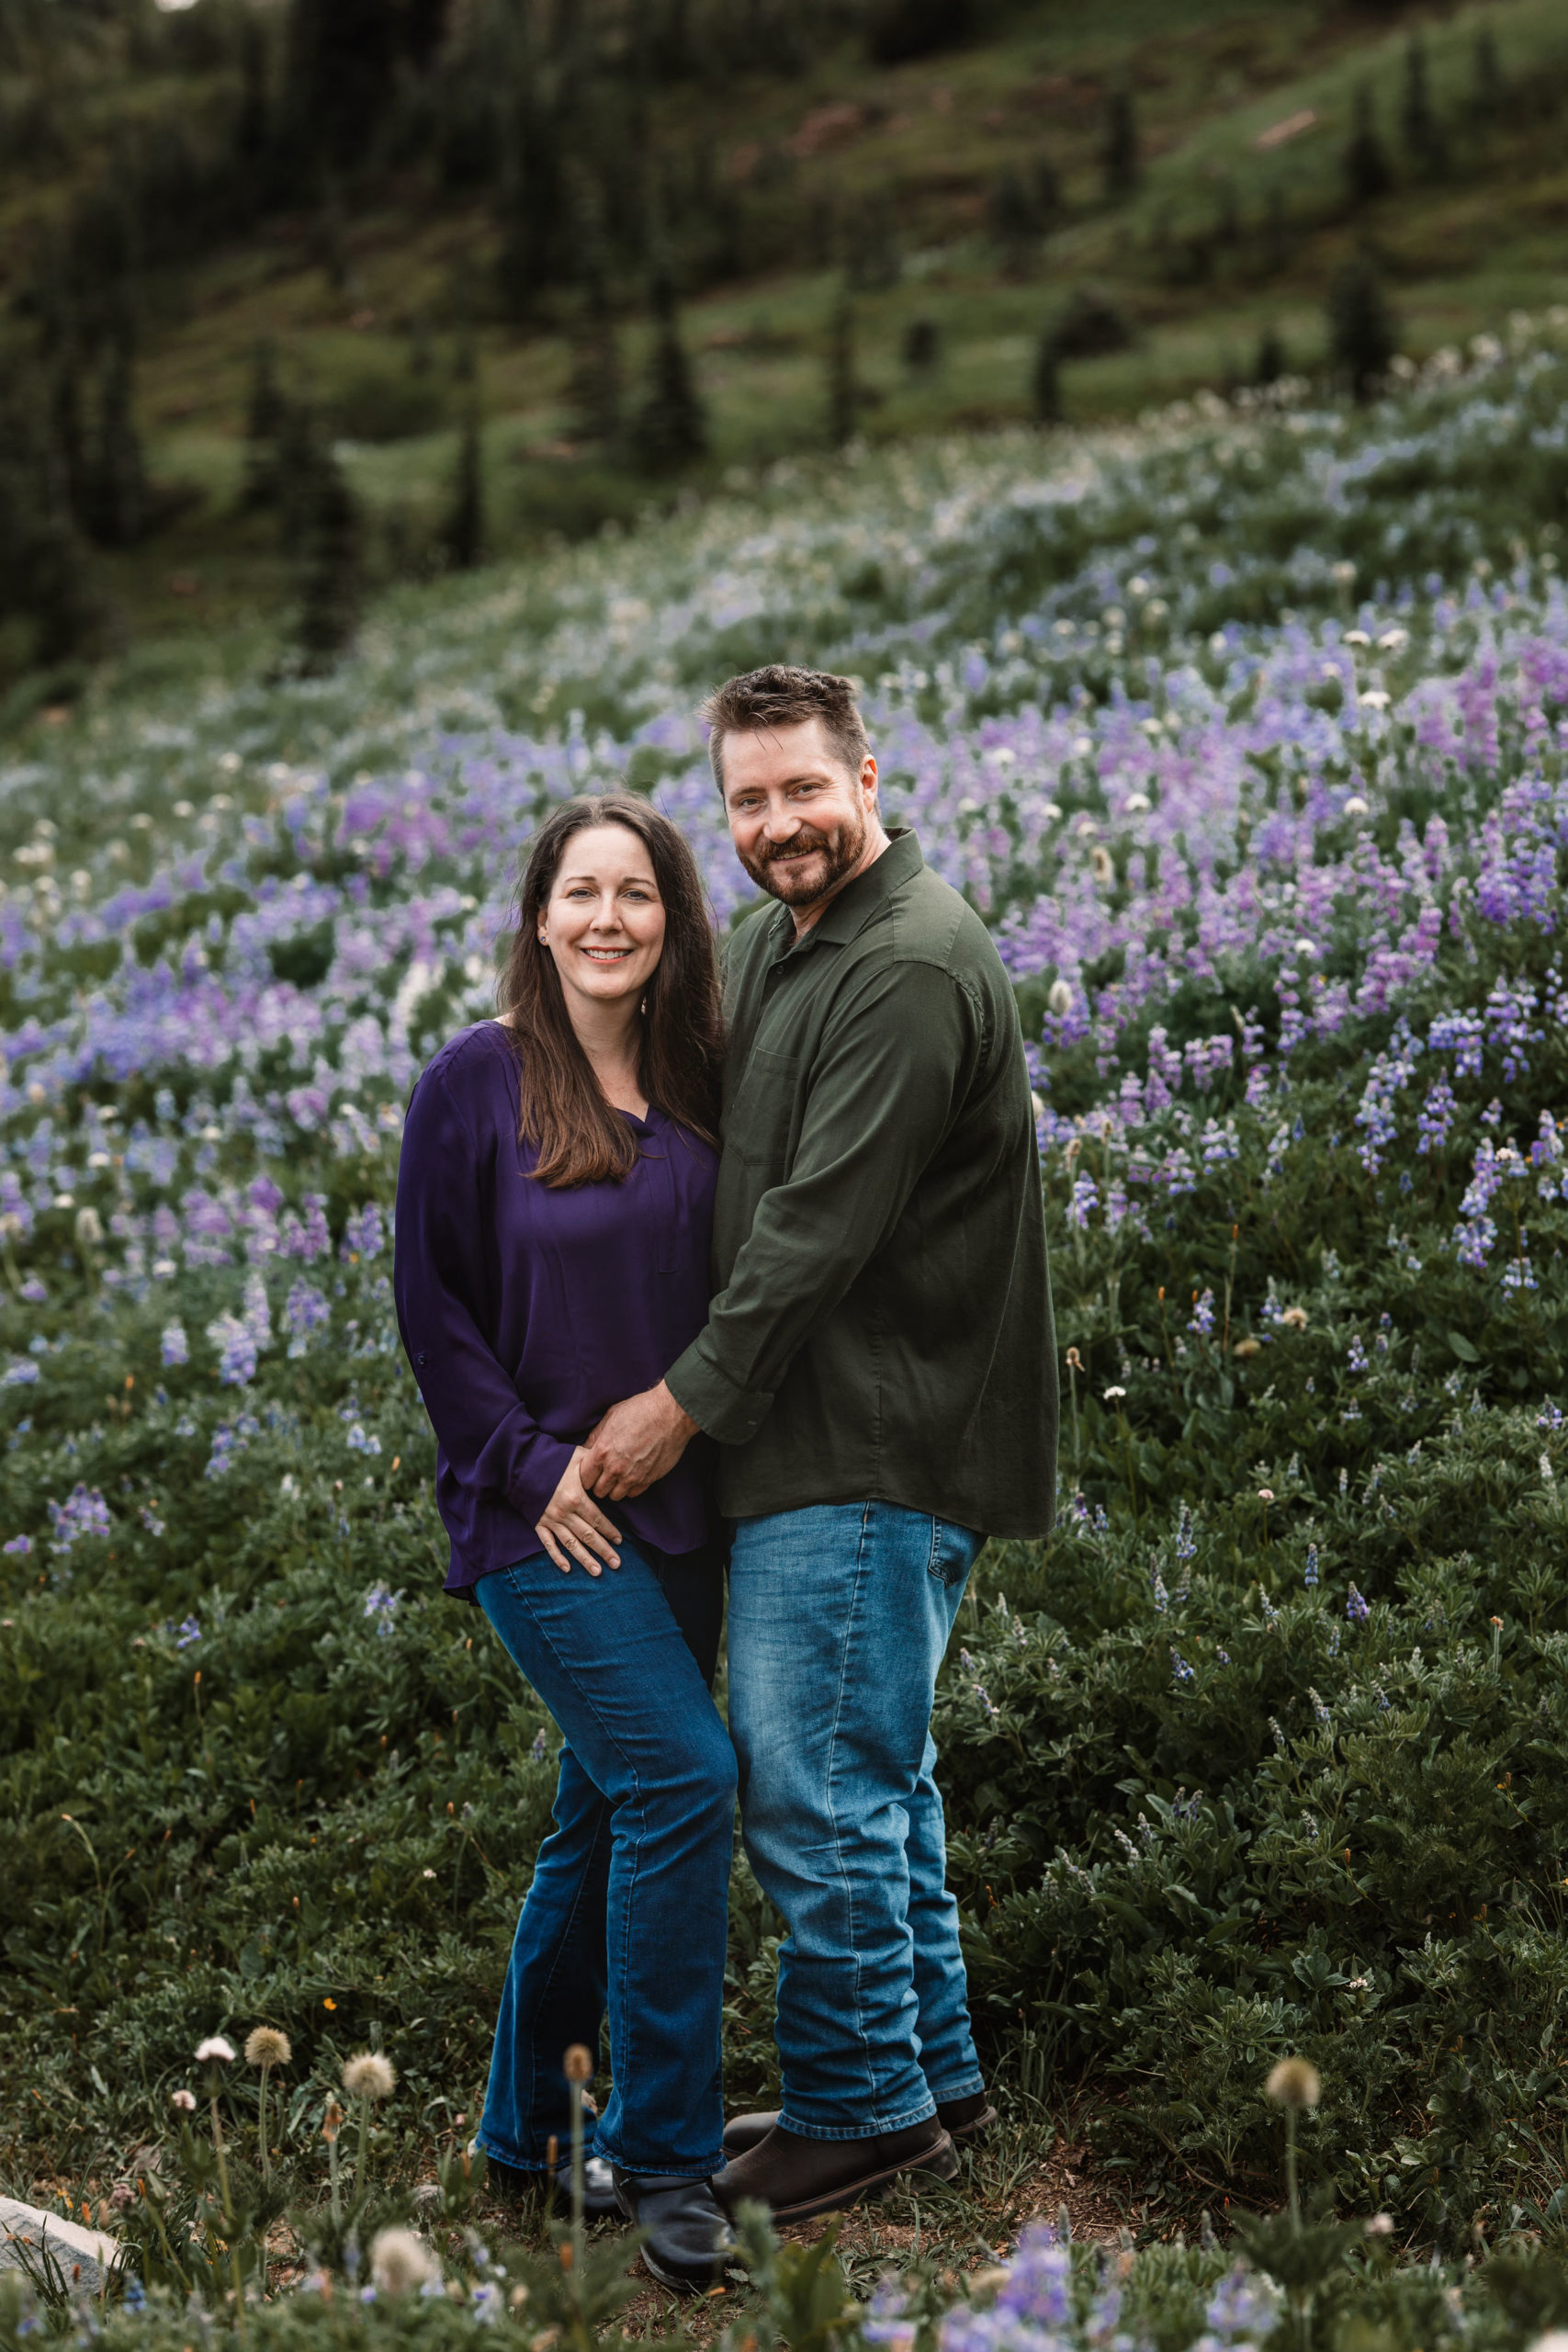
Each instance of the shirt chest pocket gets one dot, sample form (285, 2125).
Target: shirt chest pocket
(762, 1115)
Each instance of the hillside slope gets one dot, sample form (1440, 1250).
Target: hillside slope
(964, 200)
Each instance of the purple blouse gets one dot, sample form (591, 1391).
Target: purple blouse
(527, 1311)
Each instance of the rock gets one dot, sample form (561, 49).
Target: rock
(84, 2258)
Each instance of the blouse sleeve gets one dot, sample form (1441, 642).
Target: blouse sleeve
(491, 1443)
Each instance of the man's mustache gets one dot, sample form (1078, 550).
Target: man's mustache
(805, 838)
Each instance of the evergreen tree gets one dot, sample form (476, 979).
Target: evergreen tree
(874, 262)
(253, 124)
(1119, 155)
(1013, 219)
(299, 456)
(670, 427)
(70, 614)
(531, 209)
(1270, 364)
(265, 412)
(921, 346)
(1227, 216)
(463, 532)
(331, 583)
(1423, 137)
(1486, 95)
(1366, 175)
(114, 489)
(45, 577)
(1047, 190)
(340, 77)
(1045, 387)
(1276, 234)
(65, 425)
(595, 389)
(843, 396)
(1361, 336)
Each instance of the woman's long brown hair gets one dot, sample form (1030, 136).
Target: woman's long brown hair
(582, 1139)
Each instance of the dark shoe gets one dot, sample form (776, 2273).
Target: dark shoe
(688, 2240)
(797, 2178)
(518, 2188)
(962, 2118)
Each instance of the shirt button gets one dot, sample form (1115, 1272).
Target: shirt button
(422, 1360)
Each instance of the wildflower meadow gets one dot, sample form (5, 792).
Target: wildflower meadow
(1245, 731)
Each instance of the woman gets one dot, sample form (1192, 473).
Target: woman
(555, 1202)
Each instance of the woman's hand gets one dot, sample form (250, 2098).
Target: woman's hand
(574, 1523)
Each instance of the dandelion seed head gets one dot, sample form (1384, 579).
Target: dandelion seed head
(369, 2074)
(214, 2050)
(266, 2046)
(183, 2102)
(1294, 2082)
(401, 2262)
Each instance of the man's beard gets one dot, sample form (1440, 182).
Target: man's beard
(804, 880)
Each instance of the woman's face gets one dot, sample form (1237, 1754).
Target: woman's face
(603, 921)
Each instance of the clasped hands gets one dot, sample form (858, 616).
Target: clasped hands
(635, 1443)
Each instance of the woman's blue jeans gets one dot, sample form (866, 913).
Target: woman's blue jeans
(839, 1617)
(628, 1907)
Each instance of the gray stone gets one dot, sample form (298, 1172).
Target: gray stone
(84, 2258)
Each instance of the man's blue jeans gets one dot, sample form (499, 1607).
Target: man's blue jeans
(629, 1908)
(839, 1617)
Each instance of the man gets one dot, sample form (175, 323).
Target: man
(879, 1370)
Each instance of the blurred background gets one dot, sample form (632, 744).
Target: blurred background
(304, 296)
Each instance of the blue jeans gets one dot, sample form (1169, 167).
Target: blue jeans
(839, 1617)
(628, 1907)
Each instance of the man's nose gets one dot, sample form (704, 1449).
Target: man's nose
(781, 824)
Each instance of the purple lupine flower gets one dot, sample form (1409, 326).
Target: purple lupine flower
(84, 1512)
(1243, 2304)
(1358, 1608)
(381, 1602)
(173, 1347)
(364, 1236)
(888, 2319)
(236, 1345)
(306, 1310)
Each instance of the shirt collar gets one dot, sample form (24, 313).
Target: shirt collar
(864, 896)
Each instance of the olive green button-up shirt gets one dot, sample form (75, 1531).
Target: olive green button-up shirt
(882, 1324)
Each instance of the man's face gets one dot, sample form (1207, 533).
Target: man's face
(800, 820)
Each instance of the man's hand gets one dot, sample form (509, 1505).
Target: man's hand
(635, 1443)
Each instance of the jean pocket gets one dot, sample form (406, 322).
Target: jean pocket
(954, 1552)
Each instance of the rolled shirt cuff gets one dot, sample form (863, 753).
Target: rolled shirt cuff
(702, 1389)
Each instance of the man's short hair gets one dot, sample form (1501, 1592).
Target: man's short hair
(781, 696)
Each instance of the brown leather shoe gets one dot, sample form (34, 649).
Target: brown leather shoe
(797, 2178)
(962, 2118)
